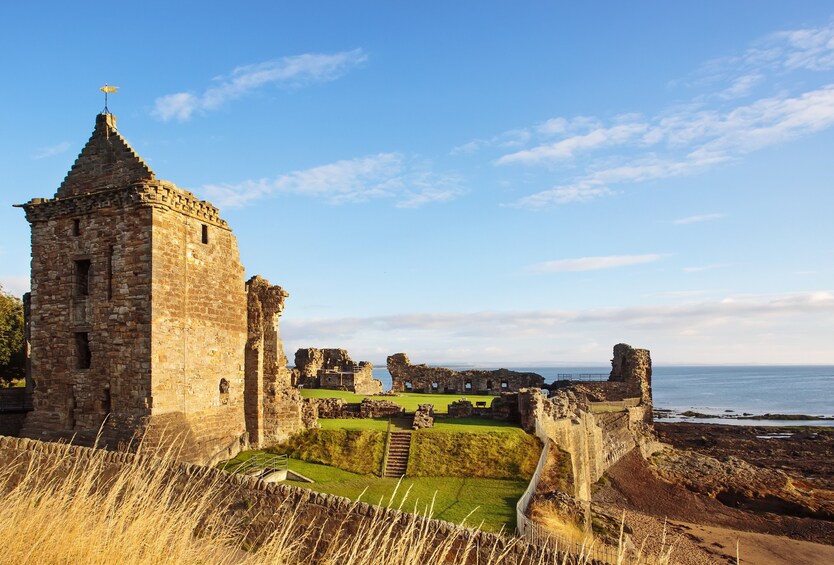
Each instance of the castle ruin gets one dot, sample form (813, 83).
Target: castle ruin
(406, 377)
(334, 369)
(141, 321)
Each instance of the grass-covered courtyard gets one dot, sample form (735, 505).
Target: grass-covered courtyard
(470, 467)
(488, 503)
(408, 400)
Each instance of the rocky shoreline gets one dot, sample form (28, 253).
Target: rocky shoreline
(770, 487)
(668, 414)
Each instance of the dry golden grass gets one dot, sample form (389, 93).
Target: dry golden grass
(64, 509)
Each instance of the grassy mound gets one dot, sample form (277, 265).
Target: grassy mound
(510, 454)
(357, 451)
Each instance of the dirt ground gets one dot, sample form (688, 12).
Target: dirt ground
(702, 529)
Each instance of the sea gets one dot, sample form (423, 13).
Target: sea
(724, 393)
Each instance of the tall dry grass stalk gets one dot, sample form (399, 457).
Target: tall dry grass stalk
(63, 509)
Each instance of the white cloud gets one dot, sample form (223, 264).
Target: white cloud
(385, 175)
(582, 191)
(568, 148)
(51, 151)
(511, 138)
(707, 137)
(294, 71)
(730, 329)
(593, 263)
(689, 137)
(698, 219)
(742, 86)
(811, 49)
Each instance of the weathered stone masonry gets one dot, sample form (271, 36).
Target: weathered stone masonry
(406, 377)
(138, 311)
(334, 369)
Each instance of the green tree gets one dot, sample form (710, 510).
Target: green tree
(12, 346)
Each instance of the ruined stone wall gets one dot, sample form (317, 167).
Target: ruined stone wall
(335, 370)
(634, 368)
(595, 441)
(91, 290)
(275, 409)
(338, 408)
(406, 377)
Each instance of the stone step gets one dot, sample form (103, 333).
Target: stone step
(399, 448)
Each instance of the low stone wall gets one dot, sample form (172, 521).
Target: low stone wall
(461, 409)
(262, 505)
(338, 408)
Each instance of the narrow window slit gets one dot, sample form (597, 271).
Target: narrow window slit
(83, 355)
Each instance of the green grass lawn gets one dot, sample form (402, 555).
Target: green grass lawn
(488, 503)
(408, 400)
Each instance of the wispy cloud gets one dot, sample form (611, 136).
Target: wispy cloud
(294, 71)
(385, 175)
(593, 263)
(742, 105)
(508, 139)
(567, 148)
(51, 151)
(698, 219)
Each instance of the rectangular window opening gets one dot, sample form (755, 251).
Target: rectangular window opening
(205, 233)
(83, 356)
(76, 227)
(82, 277)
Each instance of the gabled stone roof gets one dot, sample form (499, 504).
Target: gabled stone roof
(106, 162)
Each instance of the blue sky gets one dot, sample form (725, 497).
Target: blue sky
(494, 183)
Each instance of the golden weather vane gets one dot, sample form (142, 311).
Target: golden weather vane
(108, 89)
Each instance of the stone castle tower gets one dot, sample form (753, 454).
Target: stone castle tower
(139, 313)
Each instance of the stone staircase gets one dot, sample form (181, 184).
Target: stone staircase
(398, 450)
